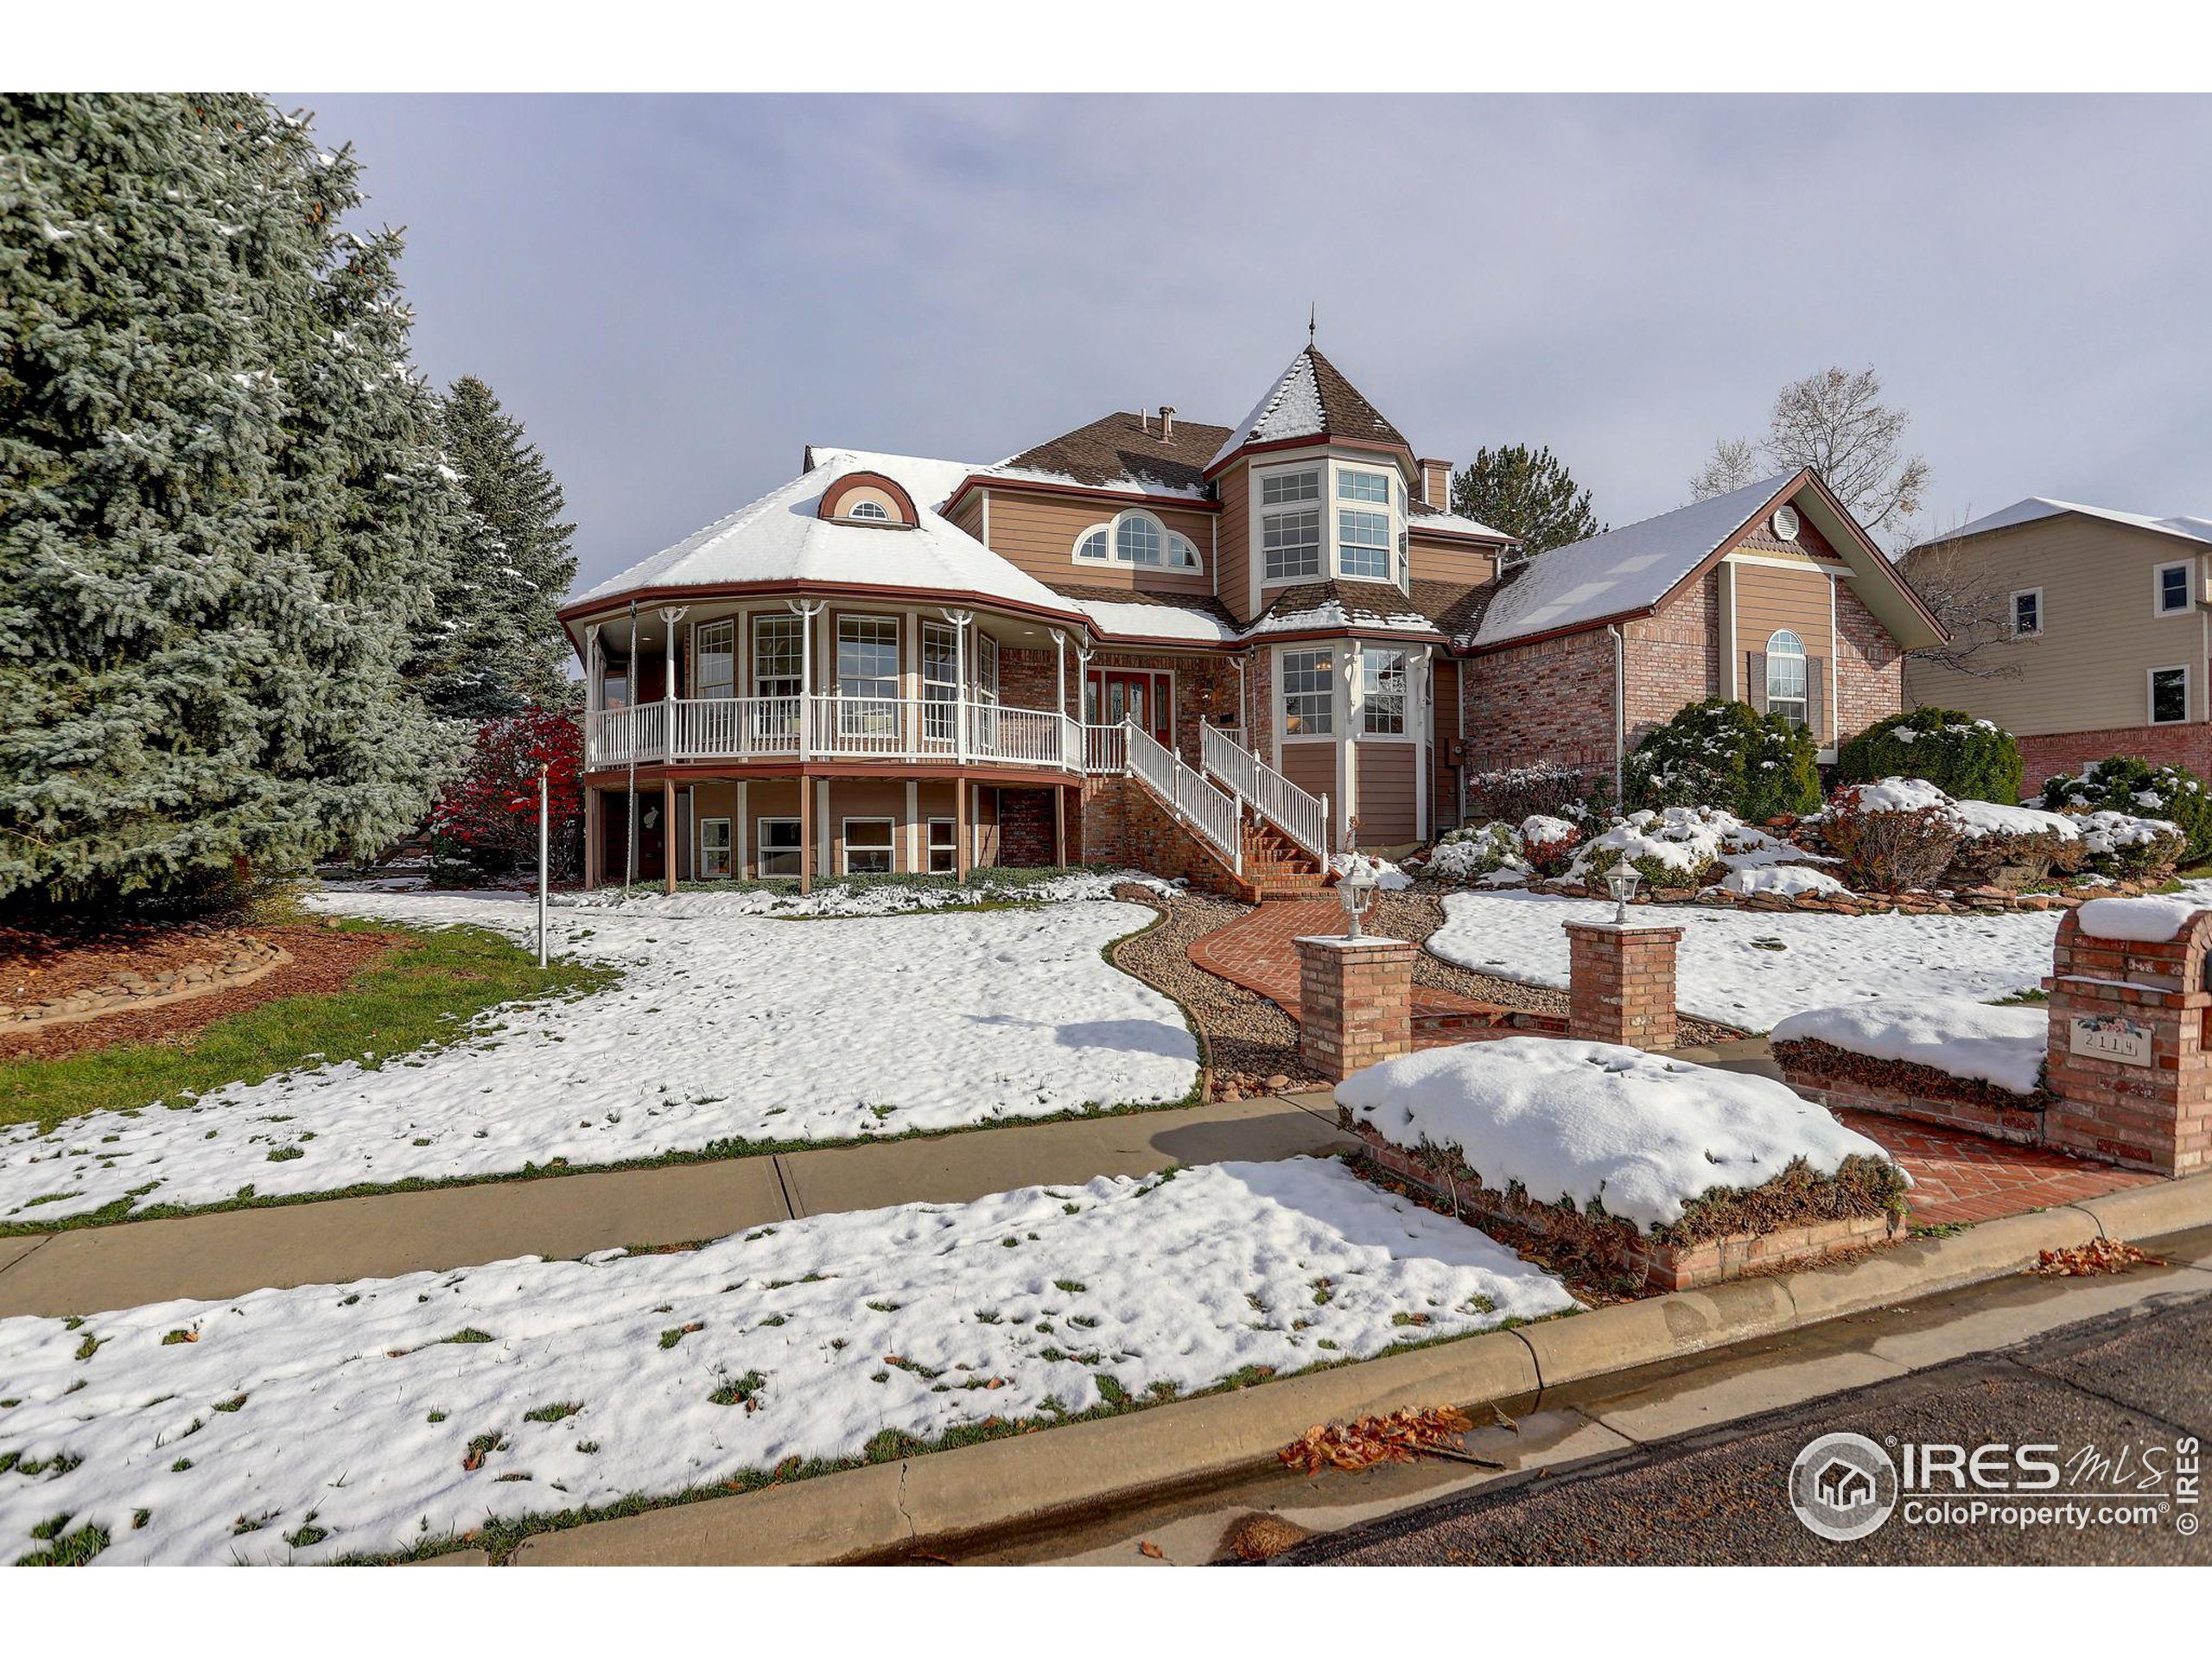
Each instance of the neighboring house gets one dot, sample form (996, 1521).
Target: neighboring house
(1208, 649)
(2103, 646)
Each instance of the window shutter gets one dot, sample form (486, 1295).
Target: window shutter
(1816, 686)
(1755, 679)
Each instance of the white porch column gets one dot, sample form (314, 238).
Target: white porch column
(806, 610)
(592, 693)
(1060, 671)
(960, 619)
(669, 617)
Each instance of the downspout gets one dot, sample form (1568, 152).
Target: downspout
(1620, 709)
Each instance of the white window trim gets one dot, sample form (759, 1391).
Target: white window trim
(699, 848)
(1083, 537)
(845, 842)
(1407, 657)
(951, 848)
(871, 512)
(1397, 570)
(1337, 701)
(2012, 604)
(1111, 530)
(2151, 695)
(699, 653)
(1321, 506)
(1805, 721)
(2158, 607)
(898, 652)
(761, 848)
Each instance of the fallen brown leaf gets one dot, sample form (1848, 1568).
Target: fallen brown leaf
(2098, 1257)
(1154, 1551)
(1400, 1437)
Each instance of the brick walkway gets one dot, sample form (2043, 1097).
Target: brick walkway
(1256, 951)
(1958, 1177)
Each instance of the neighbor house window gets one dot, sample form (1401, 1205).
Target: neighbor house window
(2027, 613)
(2169, 696)
(1364, 486)
(714, 848)
(1382, 692)
(777, 839)
(1291, 544)
(1309, 693)
(714, 648)
(867, 846)
(1785, 677)
(871, 510)
(944, 847)
(1364, 545)
(1137, 540)
(2173, 588)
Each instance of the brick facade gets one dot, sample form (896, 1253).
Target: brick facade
(1552, 699)
(2051, 753)
(1621, 983)
(1355, 998)
(1123, 823)
(1869, 667)
(1672, 658)
(1026, 829)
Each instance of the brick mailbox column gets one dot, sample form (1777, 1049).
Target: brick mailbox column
(1621, 983)
(1356, 1000)
(2128, 1059)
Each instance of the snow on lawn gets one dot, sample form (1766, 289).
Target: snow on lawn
(367, 1418)
(2004, 1046)
(1642, 1133)
(726, 1027)
(1751, 968)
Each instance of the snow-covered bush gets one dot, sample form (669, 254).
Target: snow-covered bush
(2119, 843)
(1471, 855)
(1894, 834)
(1549, 789)
(1548, 843)
(2019, 842)
(2124, 784)
(1722, 753)
(1678, 846)
(1786, 880)
(1968, 759)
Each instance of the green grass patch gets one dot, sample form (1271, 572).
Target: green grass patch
(64, 1549)
(419, 996)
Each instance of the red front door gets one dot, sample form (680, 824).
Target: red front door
(1115, 694)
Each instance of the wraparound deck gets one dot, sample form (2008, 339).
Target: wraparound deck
(797, 731)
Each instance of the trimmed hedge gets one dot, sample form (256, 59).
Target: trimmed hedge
(1725, 754)
(2125, 784)
(1968, 760)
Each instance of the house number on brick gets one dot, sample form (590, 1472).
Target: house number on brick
(2113, 1039)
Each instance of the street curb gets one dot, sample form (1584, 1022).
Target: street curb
(1033, 1480)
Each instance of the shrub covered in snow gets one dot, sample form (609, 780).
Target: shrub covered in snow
(1968, 759)
(1514, 793)
(1473, 854)
(2015, 846)
(1723, 753)
(1548, 843)
(2124, 784)
(1894, 834)
(1672, 1148)
(1678, 846)
(2118, 844)
(1784, 881)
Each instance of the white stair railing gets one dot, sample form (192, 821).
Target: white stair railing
(1303, 817)
(1195, 801)
(1104, 750)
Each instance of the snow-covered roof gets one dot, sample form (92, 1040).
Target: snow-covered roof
(1340, 606)
(1308, 399)
(2035, 507)
(1425, 520)
(1623, 570)
(1144, 622)
(780, 538)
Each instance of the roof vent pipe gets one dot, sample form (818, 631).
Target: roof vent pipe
(1167, 423)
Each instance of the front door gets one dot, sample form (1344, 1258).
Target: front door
(1146, 698)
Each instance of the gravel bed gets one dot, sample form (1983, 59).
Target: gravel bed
(1248, 1040)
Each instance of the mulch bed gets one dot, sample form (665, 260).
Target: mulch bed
(323, 961)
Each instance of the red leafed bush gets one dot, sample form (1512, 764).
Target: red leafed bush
(1895, 836)
(487, 817)
(1548, 843)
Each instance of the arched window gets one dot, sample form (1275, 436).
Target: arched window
(1137, 539)
(870, 510)
(1181, 556)
(1785, 677)
(1091, 544)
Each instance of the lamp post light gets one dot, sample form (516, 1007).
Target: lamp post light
(1354, 888)
(1620, 881)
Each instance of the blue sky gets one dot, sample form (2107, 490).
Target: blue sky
(676, 294)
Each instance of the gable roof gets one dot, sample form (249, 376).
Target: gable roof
(1425, 520)
(779, 537)
(1310, 399)
(1620, 572)
(1119, 452)
(2044, 507)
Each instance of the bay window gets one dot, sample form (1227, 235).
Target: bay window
(1382, 692)
(1309, 693)
(1364, 545)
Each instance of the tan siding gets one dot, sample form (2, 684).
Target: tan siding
(1767, 601)
(1437, 561)
(1388, 815)
(1037, 533)
(1312, 767)
(1234, 536)
(2086, 671)
(764, 800)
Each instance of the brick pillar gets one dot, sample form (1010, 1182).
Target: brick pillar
(1621, 983)
(1356, 1003)
(2128, 1055)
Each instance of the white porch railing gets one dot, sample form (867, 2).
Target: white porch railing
(1303, 817)
(1104, 750)
(869, 729)
(1195, 801)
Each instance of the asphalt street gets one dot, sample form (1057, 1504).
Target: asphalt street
(2134, 1389)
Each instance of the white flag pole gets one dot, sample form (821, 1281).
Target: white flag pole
(541, 863)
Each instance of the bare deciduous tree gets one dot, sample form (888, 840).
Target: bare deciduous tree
(1969, 596)
(1836, 423)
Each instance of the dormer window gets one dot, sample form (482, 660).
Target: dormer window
(874, 510)
(871, 499)
(1136, 538)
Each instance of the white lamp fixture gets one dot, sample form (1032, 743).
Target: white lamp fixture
(1620, 881)
(1354, 888)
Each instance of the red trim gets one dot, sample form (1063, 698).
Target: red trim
(850, 481)
(577, 610)
(888, 771)
(1316, 440)
(1085, 491)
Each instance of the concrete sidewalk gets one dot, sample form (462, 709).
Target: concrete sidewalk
(228, 1253)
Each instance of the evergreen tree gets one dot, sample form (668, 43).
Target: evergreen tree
(222, 509)
(505, 649)
(1529, 494)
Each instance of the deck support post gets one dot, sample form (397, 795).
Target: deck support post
(668, 844)
(1060, 827)
(961, 820)
(805, 834)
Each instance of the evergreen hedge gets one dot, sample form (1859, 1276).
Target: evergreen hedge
(1725, 754)
(1968, 760)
